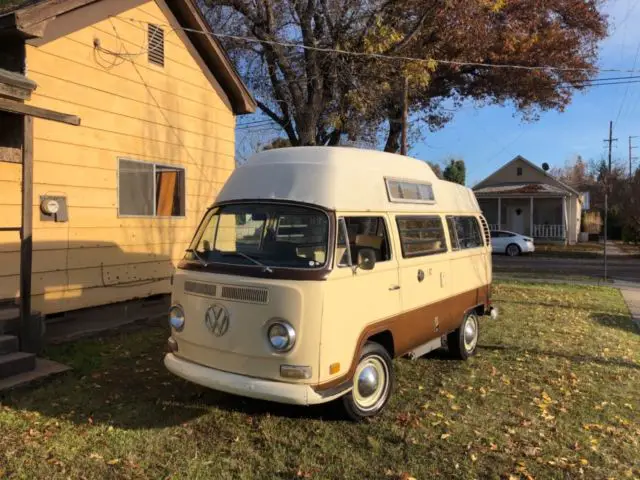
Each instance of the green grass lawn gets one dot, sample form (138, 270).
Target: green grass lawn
(554, 392)
(579, 250)
(583, 250)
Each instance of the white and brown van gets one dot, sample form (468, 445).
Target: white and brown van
(317, 266)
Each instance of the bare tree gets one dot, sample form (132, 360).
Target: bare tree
(292, 54)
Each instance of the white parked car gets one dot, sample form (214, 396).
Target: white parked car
(510, 243)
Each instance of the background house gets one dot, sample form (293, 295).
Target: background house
(155, 143)
(523, 198)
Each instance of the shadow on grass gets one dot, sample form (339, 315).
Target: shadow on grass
(571, 357)
(129, 388)
(620, 322)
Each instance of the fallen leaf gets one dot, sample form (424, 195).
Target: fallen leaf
(113, 461)
(532, 451)
(444, 436)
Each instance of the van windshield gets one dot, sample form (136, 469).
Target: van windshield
(269, 235)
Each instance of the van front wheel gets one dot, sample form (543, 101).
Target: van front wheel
(464, 341)
(373, 383)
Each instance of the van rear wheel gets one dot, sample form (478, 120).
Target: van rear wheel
(463, 343)
(373, 383)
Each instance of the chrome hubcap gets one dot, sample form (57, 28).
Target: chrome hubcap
(470, 333)
(370, 383)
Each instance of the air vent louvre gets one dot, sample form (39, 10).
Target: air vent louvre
(241, 294)
(486, 230)
(198, 288)
(155, 41)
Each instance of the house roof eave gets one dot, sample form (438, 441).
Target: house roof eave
(480, 184)
(28, 19)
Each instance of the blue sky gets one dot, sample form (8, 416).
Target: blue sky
(488, 137)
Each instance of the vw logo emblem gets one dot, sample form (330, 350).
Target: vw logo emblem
(217, 320)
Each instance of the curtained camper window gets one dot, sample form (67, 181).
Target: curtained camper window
(150, 190)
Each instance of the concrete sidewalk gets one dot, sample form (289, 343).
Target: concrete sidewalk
(632, 299)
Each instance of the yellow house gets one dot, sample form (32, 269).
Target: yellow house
(117, 195)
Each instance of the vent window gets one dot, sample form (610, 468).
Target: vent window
(519, 171)
(155, 45)
(409, 192)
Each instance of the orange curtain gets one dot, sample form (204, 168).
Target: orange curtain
(166, 193)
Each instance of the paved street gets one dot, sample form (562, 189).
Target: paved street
(626, 269)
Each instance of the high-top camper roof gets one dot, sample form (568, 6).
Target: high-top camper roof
(346, 179)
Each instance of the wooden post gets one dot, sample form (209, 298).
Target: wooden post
(405, 117)
(499, 213)
(565, 223)
(531, 217)
(26, 239)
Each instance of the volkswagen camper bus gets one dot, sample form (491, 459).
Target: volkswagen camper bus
(316, 266)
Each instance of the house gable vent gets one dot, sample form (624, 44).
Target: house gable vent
(155, 45)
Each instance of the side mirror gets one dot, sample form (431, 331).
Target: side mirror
(366, 259)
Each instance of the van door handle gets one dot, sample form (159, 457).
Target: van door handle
(394, 287)
(443, 280)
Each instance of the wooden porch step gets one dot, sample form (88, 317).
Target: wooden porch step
(16, 363)
(9, 319)
(9, 344)
(44, 368)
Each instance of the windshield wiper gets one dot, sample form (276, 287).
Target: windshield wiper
(265, 268)
(200, 259)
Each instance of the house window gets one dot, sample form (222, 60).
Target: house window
(155, 45)
(362, 232)
(519, 171)
(464, 232)
(150, 190)
(11, 128)
(421, 236)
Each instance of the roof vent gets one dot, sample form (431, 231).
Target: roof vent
(155, 45)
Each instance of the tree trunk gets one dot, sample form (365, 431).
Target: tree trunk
(393, 137)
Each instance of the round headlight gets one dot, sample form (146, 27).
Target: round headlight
(176, 318)
(282, 336)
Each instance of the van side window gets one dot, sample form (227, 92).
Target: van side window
(420, 236)
(362, 232)
(464, 232)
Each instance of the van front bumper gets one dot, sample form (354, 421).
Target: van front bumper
(282, 392)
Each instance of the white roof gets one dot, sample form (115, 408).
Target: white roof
(340, 178)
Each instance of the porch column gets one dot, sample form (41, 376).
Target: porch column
(26, 241)
(531, 217)
(499, 213)
(565, 222)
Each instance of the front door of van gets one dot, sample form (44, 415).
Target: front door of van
(357, 300)
(424, 276)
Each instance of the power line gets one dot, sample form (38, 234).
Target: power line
(626, 90)
(382, 56)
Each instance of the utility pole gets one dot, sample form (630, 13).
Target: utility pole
(405, 117)
(610, 140)
(631, 157)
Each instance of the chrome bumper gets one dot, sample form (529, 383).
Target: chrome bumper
(282, 392)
